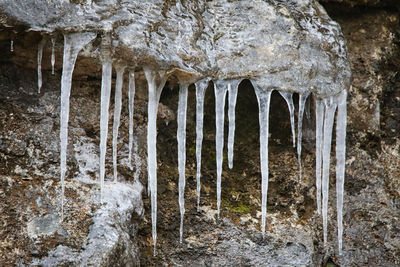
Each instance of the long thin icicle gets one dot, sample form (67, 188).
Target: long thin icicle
(73, 43)
(117, 114)
(263, 98)
(302, 101)
(53, 57)
(12, 46)
(330, 108)
(201, 87)
(181, 135)
(289, 101)
(319, 115)
(233, 90)
(39, 63)
(131, 105)
(104, 113)
(154, 98)
(220, 89)
(341, 121)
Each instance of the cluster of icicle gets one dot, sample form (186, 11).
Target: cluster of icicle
(325, 112)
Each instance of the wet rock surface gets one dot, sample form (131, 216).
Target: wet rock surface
(29, 169)
(290, 45)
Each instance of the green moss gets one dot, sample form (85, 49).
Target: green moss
(242, 208)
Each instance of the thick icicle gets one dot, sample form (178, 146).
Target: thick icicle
(12, 46)
(73, 43)
(201, 87)
(289, 100)
(131, 105)
(117, 114)
(302, 101)
(104, 106)
(233, 90)
(263, 97)
(319, 115)
(220, 89)
(154, 97)
(341, 121)
(330, 108)
(181, 136)
(53, 57)
(39, 63)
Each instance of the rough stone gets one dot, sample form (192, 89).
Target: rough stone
(288, 45)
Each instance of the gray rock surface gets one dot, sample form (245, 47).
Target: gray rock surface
(288, 45)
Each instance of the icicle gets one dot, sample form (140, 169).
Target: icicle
(319, 115)
(263, 98)
(154, 97)
(104, 106)
(131, 105)
(117, 114)
(73, 43)
(12, 46)
(201, 87)
(220, 89)
(330, 108)
(181, 135)
(39, 63)
(233, 90)
(302, 101)
(53, 57)
(341, 121)
(289, 100)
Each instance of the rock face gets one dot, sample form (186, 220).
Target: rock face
(287, 45)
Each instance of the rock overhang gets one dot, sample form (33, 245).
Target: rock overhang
(285, 45)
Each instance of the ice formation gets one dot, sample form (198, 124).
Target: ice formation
(117, 114)
(201, 87)
(220, 89)
(319, 119)
(181, 136)
(104, 106)
(53, 57)
(263, 98)
(232, 90)
(341, 121)
(73, 43)
(289, 101)
(302, 102)
(12, 46)
(39, 63)
(154, 90)
(330, 108)
(131, 105)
